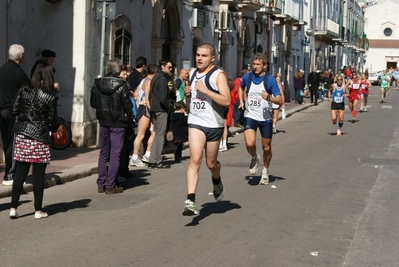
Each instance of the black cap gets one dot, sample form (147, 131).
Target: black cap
(48, 53)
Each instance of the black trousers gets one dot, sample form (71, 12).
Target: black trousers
(313, 93)
(7, 136)
(38, 172)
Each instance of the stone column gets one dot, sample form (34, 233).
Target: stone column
(156, 49)
(175, 53)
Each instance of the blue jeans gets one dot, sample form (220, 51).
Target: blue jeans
(112, 140)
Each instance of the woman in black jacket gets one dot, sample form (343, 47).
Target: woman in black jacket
(110, 98)
(35, 109)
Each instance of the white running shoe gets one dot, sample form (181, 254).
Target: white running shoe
(253, 166)
(40, 215)
(190, 208)
(339, 132)
(137, 163)
(145, 159)
(223, 149)
(264, 179)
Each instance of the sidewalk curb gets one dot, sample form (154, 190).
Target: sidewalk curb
(53, 179)
(88, 169)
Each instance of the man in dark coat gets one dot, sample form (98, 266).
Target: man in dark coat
(12, 78)
(314, 83)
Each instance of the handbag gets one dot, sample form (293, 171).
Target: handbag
(60, 136)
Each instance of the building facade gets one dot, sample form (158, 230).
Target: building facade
(293, 34)
(383, 36)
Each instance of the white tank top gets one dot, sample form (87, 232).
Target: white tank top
(141, 92)
(203, 111)
(257, 108)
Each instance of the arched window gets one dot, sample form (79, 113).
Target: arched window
(123, 41)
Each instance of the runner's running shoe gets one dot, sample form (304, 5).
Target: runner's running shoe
(137, 163)
(338, 132)
(218, 191)
(253, 167)
(190, 208)
(264, 179)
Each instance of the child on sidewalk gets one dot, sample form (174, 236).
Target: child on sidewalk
(179, 128)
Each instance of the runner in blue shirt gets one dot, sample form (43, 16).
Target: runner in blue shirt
(261, 90)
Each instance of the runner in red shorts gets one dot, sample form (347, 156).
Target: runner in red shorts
(364, 92)
(354, 86)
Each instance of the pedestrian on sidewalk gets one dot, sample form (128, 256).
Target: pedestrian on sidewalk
(228, 122)
(299, 84)
(35, 109)
(123, 172)
(134, 76)
(210, 98)
(238, 113)
(179, 128)
(314, 83)
(144, 119)
(261, 90)
(275, 107)
(110, 98)
(12, 78)
(160, 99)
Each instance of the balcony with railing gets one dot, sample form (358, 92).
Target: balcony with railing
(271, 7)
(252, 4)
(325, 27)
(231, 3)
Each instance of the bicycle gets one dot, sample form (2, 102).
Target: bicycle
(69, 135)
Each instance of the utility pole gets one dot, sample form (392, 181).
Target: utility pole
(105, 10)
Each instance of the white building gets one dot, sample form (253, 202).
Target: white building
(381, 26)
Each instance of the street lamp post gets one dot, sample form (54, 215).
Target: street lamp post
(305, 44)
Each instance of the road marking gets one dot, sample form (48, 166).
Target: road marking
(386, 106)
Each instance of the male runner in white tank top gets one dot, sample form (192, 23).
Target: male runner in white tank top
(205, 123)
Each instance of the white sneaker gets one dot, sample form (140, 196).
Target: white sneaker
(40, 215)
(264, 179)
(338, 132)
(137, 163)
(253, 166)
(8, 181)
(13, 214)
(145, 159)
(365, 108)
(223, 149)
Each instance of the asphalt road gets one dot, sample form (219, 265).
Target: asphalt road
(335, 204)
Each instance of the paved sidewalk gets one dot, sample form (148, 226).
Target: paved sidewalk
(75, 163)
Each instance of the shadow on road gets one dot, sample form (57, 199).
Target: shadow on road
(254, 180)
(6, 206)
(66, 206)
(211, 208)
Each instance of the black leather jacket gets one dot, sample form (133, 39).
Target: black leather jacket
(36, 114)
(110, 97)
